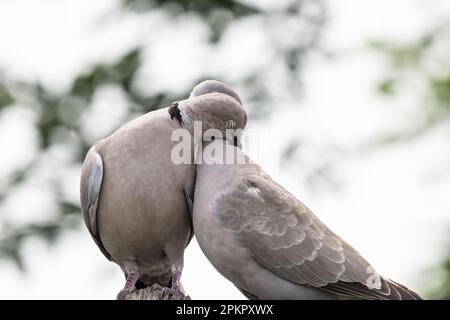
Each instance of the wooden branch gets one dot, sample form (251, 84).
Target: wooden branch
(156, 292)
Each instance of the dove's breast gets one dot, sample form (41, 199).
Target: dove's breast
(215, 183)
(143, 217)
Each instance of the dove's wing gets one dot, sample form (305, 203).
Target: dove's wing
(284, 236)
(90, 186)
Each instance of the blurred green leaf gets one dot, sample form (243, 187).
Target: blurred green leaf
(418, 67)
(11, 241)
(48, 116)
(421, 67)
(440, 277)
(290, 149)
(440, 91)
(403, 55)
(5, 98)
(68, 208)
(387, 87)
(121, 72)
(202, 7)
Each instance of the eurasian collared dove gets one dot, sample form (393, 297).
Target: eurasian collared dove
(136, 201)
(269, 244)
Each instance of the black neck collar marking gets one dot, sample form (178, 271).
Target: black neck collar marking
(175, 112)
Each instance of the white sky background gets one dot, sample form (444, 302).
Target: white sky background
(394, 206)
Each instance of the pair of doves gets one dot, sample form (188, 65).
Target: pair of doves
(142, 209)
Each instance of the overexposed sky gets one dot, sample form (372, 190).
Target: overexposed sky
(394, 206)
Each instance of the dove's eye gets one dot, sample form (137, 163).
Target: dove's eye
(175, 112)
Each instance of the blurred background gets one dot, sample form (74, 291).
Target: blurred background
(357, 91)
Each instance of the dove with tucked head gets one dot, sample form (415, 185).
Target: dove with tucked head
(136, 202)
(268, 243)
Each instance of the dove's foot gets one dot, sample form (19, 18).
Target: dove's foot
(175, 292)
(129, 287)
(122, 295)
(172, 294)
(175, 283)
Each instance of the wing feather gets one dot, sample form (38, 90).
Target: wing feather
(284, 236)
(90, 187)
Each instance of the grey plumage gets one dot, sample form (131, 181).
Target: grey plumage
(270, 245)
(210, 86)
(91, 182)
(133, 223)
(135, 201)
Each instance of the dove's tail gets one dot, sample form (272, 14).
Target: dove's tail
(401, 292)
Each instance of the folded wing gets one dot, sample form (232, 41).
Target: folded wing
(284, 236)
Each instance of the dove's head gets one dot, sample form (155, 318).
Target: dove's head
(215, 106)
(210, 86)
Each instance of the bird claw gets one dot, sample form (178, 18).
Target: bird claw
(130, 283)
(122, 295)
(172, 294)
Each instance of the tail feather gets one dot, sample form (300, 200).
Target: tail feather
(404, 292)
(389, 290)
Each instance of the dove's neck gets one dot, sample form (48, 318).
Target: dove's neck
(221, 161)
(219, 152)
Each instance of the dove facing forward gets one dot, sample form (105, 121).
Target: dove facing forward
(268, 243)
(136, 201)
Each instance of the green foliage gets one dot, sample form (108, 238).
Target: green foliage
(443, 290)
(404, 55)
(423, 64)
(121, 73)
(5, 98)
(202, 7)
(440, 94)
(387, 87)
(436, 280)
(217, 13)
(422, 68)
